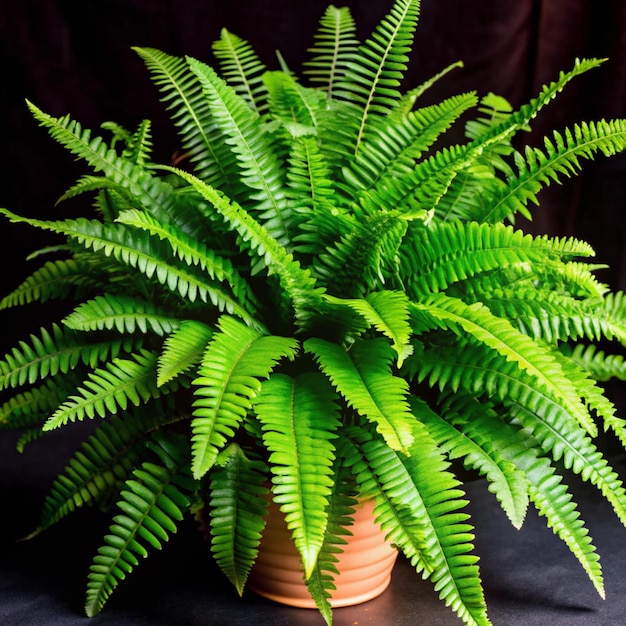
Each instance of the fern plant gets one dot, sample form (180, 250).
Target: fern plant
(322, 299)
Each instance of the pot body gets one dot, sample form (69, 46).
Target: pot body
(364, 566)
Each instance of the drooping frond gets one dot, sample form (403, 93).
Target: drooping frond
(189, 109)
(598, 363)
(123, 313)
(193, 253)
(148, 255)
(445, 253)
(54, 351)
(374, 74)
(54, 279)
(506, 344)
(423, 517)
(153, 503)
(260, 171)
(103, 461)
(301, 450)
(388, 313)
(31, 407)
(237, 508)
(182, 350)
(296, 281)
(504, 480)
(362, 375)
(560, 157)
(229, 378)
(334, 48)
(241, 67)
(120, 383)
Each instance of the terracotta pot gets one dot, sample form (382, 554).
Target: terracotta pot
(365, 565)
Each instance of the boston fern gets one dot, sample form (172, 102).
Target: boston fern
(325, 300)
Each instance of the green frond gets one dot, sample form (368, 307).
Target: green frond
(296, 281)
(52, 352)
(538, 367)
(335, 46)
(138, 145)
(410, 97)
(104, 460)
(355, 263)
(504, 480)
(183, 349)
(388, 313)
(374, 74)
(200, 138)
(260, 170)
(537, 168)
(31, 407)
(341, 511)
(393, 145)
(151, 506)
(545, 487)
(148, 255)
(123, 313)
(598, 363)
(423, 517)
(241, 67)
(192, 252)
(560, 436)
(445, 253)
(301, 450)
(110, 389)
(54, 279)
(229, 378)
(363, 376)
(237, 507)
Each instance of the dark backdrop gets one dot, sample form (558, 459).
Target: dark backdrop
(71, 56)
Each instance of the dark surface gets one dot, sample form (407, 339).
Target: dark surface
(530, 578)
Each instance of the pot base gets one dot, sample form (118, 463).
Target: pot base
(365, 565)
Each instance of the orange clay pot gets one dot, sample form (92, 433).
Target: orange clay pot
(365, 564)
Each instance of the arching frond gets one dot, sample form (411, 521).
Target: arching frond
(120, 383)
(182, 350)
(229, 378)
(242, 68)
(123, 313)
(363, 377)
(301, 454)
(212, 160)
(333, 50)
(153, 503)
(237, 508)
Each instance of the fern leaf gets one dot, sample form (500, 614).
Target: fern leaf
(125, 314)
(110, 389)
(335, 45)
(190, 111)
(301, 454)
(362, 375)
(242, 68)
(152, 505)
(52, 352)
(237, 508)
(260, 170)
(373, 76)
(182, 350)
(33, 406)
(388, 312)
(423, 517)
(229, 378)
(500, 336)
(538, 168)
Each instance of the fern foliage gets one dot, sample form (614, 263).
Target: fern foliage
(323, 298)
